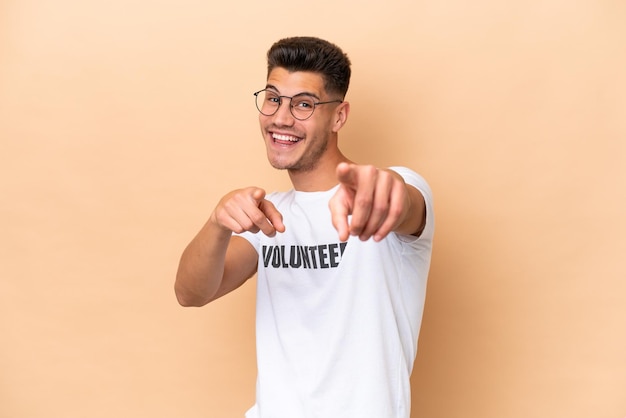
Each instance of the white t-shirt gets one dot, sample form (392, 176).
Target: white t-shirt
(337, 322)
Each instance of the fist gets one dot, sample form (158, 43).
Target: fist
(376, 199)
(248, 210)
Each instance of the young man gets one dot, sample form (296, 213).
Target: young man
(341, 260)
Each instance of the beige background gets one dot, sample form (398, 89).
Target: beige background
(122, 122)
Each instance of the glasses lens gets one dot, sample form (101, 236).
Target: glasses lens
(267, 102)
(302, 106)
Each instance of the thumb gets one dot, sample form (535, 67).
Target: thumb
(340, 209)
(272, 214)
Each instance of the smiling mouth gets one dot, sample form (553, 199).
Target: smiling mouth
(285, 139)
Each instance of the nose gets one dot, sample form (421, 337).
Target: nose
(283, 116)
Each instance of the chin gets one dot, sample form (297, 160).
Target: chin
(279, 165)
(286, 166)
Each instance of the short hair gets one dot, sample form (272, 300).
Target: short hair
(306, 53)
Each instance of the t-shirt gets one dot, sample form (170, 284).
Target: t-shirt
(337, 322)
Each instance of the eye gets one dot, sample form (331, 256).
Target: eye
(272, 98)
(303, 103)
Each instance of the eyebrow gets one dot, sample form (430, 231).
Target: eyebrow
(305, 93)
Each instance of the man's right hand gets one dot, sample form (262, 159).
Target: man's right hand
(248, 210)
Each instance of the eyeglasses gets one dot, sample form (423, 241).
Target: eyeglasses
(301, 105)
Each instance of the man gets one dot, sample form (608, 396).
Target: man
(341, 260)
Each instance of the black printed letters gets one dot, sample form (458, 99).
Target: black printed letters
(303, 256)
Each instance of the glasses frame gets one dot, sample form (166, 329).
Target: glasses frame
(280, 103)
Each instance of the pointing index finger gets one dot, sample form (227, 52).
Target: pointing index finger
(346, 175)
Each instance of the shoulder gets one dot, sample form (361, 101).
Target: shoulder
(280, 196)
(280, 199)
(414, 179)
(410, 176)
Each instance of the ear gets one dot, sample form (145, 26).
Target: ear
(341, 116)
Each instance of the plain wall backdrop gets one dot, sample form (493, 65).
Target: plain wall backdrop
(123, 122)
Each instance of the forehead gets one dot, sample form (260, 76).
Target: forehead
(290, 83)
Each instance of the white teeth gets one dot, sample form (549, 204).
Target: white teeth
(285, 138)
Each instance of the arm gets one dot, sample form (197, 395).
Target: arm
(215, 262)
(378, 200)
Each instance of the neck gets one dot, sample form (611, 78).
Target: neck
(320, 178)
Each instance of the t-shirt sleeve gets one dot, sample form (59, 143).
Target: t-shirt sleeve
(251, 237)
(417, 181)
